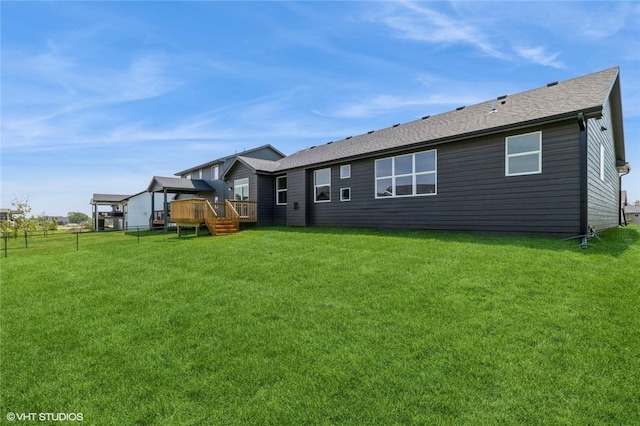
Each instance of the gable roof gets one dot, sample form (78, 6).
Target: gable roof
(257, 164)
(222, 160)
(553, 102)
(181, 185)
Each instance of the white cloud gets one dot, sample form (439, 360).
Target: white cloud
(383, 104)
(538, 56)
(419, 23)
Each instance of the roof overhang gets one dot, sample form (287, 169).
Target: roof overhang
(109, 199)
(179, 185)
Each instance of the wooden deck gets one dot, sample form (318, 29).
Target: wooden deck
(220, 218)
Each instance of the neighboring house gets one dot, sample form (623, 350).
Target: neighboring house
(202, 181)
(632, 214)
(113, 218)
(139, 209)
(544, 161)
(6, 215)
(213, 170)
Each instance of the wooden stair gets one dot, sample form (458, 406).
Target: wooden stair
(221, 226)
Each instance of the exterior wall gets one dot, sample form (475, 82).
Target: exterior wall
(266, 199)
(265, 153)
(240, 171)
(473, 193)
(603, 199)
(139, 209)
(206, 173)
(279, 211)
(297, 200)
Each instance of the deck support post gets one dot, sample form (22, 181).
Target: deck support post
(165, 213)
(153, 208)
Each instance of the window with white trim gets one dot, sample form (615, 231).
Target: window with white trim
(215, 172)
(241, 189)
(407, 175)
(345, 171)
(281, 190)
(523, 154)
(345, 194)
(602, 162)
(322, 185)
(199, 174)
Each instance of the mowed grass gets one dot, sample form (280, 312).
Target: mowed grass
(323, 326)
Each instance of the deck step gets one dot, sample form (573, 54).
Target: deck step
(221, 227)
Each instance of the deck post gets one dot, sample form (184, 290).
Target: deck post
(153, 207)
(166, 212)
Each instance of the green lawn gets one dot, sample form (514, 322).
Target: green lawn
(323, 326)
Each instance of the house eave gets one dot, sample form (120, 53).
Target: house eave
(593, 112)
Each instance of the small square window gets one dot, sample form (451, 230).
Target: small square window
(523, 154)
(345, 171)
(345, 194)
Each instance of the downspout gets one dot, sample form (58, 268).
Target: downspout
(623, 219)
(584, 178)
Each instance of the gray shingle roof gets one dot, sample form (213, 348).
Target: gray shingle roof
(222, 160)
(259, 164)
(179, 184)
(555, 101)
(631, 209)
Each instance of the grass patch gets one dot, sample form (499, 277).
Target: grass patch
(323, 326)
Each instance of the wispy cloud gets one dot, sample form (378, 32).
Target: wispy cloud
(66, 98)
(417, 22)
(384, 104)
(539, 56)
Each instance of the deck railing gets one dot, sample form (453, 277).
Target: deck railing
(192, 210)
(232, 214)
(247, 210)
(196, 210)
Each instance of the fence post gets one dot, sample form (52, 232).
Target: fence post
(26, 239)
(5, 236)
(77, 241)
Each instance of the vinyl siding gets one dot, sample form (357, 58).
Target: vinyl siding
(266, 199)
(280, 211)
(473, 193)
(139, 208)
(297, 195)
(603, 196)
(240, 171)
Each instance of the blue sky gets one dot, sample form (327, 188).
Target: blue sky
(98, 97)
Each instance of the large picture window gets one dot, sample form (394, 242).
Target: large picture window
(241, 189)
(407, 175)
(322, 185)
(523, 154)
(281, 190)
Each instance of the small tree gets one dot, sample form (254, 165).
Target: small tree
(637, 203)
(21, 209)
(46, 224)
(77, 217)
